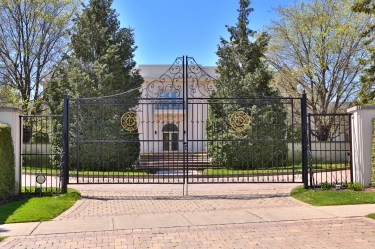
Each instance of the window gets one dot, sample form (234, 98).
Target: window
(170, 100)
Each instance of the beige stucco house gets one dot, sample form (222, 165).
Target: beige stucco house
(164, 115)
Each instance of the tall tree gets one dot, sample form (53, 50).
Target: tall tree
(100, 64)
(101, 60)
(32, 38)
(315, 46)
(367, 92)
(243, 74)
(241, 66)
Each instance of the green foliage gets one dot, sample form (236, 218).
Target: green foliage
(333, 197)
(373, 154)
(33, 37)
(325, 185)
(356, 186)
(254, 148)
(101, 64)
(9, 97)
(367, 92)
(244, 74)
(7, 162)
(37, 208)
(316, 47)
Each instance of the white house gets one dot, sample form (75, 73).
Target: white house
(163, 112)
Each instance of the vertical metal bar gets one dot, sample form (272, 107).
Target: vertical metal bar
(186, 120)
(78, 106)
(65, 145)
(292, 134)
(304, 140)
(21, 155)
(350, 148)
(309, 134)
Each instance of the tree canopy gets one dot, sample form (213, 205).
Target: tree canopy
(101, 60)
(367, 92)
(241, 66)
(244, 77)
(33, 36)
(99, 64)
(316, 47)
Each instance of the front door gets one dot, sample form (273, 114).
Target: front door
(170, 141)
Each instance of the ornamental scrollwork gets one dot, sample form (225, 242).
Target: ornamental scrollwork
(239, 121)
(129, 121)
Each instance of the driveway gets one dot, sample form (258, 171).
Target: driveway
(210, 216)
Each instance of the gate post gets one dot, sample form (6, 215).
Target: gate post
(304, 140)
(65, 146)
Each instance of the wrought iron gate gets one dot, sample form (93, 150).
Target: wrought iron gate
(178, 131)
(40, 153)
(330, 145)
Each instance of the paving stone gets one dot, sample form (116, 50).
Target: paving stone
(230, 216)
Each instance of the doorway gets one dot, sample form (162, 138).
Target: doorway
(170, 141)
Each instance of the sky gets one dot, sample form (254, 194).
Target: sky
(166, 29)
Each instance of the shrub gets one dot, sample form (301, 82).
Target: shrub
(326, 185)
(373, 155)
(262, 145)
(356, 186)
(107, 146)
(7, 162)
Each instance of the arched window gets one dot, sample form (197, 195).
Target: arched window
(170, 127)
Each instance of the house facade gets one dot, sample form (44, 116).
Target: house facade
(172, 103)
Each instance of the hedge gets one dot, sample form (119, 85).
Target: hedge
(261, 145)
(373, 154)
(7, 162)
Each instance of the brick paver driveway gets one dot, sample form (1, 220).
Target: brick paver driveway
(212, 216)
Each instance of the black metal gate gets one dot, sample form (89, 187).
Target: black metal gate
(40, 153)
(330, 146)
(176, 131)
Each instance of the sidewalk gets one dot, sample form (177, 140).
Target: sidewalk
(126, 222)
(133, 211)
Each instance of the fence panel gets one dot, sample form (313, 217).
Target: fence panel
(330, 147)
(40, 149)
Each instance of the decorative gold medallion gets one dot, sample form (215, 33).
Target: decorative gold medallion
(239, 121)
(129, 121)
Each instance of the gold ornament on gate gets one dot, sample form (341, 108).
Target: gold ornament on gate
(129, 121)
(239, 121)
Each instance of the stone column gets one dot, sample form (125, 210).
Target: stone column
(362, 131)
(10, 116)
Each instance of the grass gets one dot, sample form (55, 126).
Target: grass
(246, 171)
(280, 169)
(37, 208)
(372, 216)
(333, 197)
(2, 238)
(86, 172)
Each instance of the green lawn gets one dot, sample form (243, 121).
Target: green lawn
(248, 171)
(271, 169)
(37, 208)
(372, 216)
(333, 197)
(2, 238)
(87, 172)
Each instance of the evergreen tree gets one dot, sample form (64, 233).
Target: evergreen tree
(241, 66)
(244, 76)
(101, 61)
(100, 64)
(367, 92)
